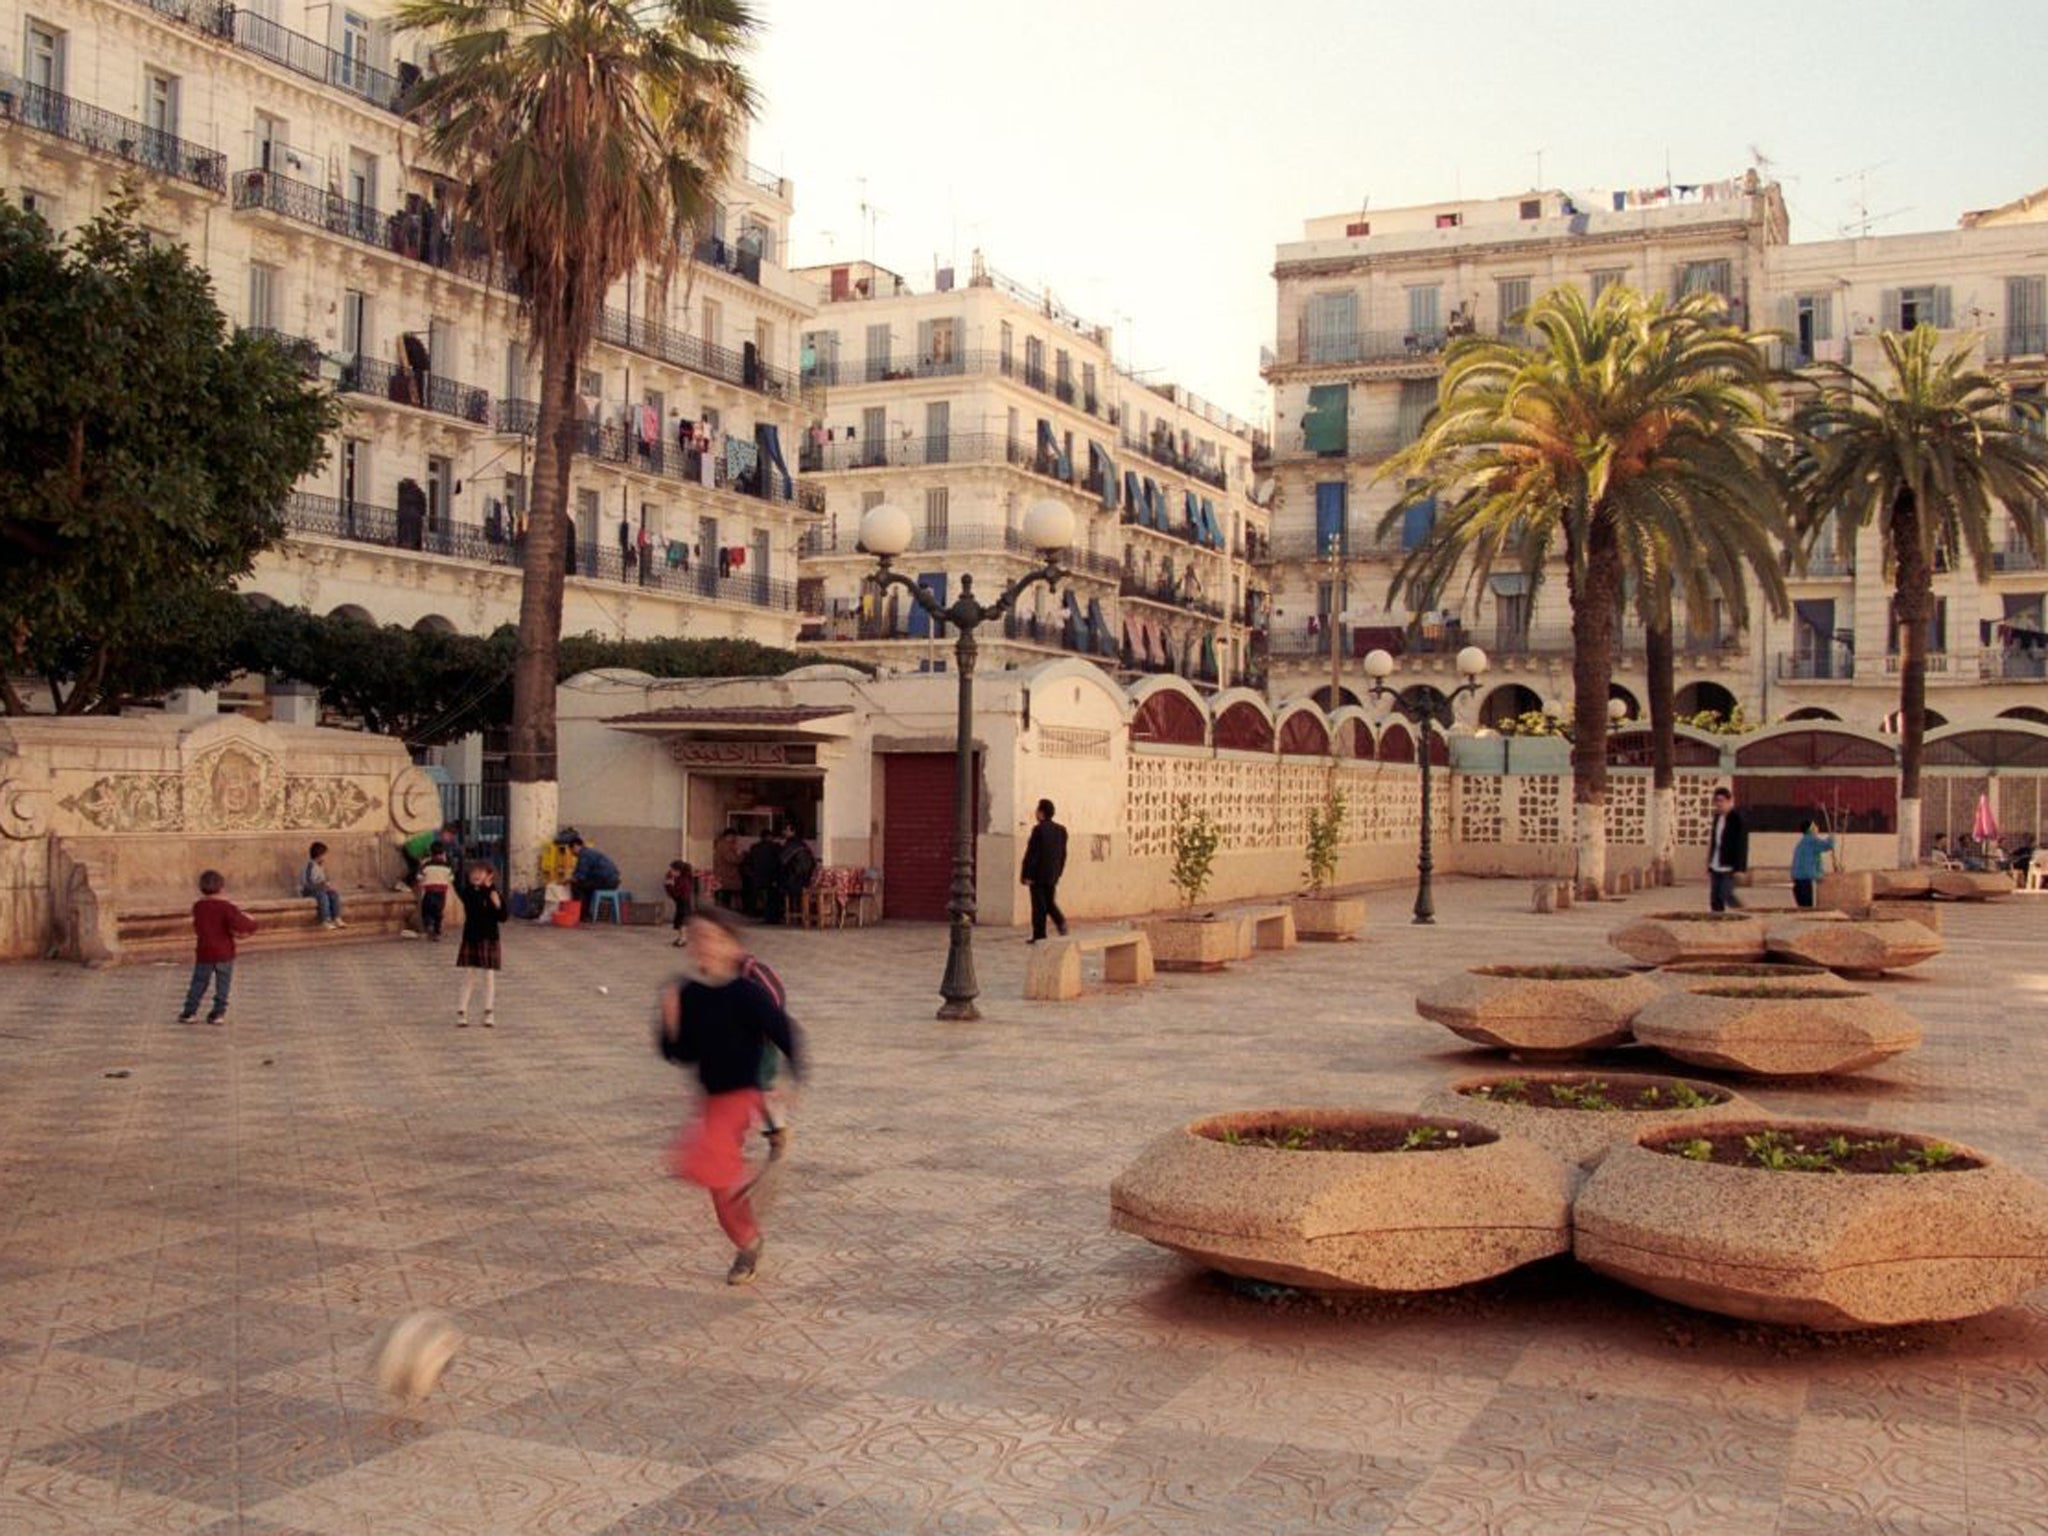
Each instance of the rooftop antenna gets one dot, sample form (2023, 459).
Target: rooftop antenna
(1539, 168)
(1865, 219)
(870, 216)
(1766, 167)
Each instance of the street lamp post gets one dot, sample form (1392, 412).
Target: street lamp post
(885, 534)
(1425, 710)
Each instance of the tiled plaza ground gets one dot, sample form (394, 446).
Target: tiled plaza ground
(195, 1257)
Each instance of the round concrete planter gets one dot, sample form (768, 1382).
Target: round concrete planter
(1970, 884)
(1191, 943)
(1582, 1136)
(1924, 910)
(1855, 946)
(1539, 1012)
(1785, 976)
(1901, 882)
(1806, 1032)
(1818, 1250)
(1667, 938)
(1347, 1221)
(1328, 918)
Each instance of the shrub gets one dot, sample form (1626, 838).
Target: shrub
(1325, 835)
(1196, 837)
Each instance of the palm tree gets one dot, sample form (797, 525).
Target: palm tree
(1926, 458)
(591, 136)
(1629, 432)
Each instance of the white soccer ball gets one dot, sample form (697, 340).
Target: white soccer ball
(411, 1357)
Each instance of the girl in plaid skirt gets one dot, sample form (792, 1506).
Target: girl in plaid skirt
(483, 915)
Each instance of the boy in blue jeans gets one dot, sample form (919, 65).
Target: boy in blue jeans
(216, 924)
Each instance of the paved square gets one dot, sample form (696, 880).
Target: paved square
(196, 1257)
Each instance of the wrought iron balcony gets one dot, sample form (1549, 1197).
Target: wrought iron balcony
(302, 55)
(422, 389)
(833, 372)
(593, 560)
(97, 129)
(1352, 349)
(1359, 443)
(1161, 451)
(665, 343)
(610, 440)
(1823, 664)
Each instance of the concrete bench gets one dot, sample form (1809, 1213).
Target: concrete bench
(282, 922)
(1263, 928)
(1054, 973)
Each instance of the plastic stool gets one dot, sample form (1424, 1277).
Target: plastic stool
(618, 901)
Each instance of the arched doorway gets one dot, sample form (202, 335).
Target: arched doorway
(1507, 703)
(1935, 721)
(1704, 698)
(1813, 712)
(351, 613)
(434, 624)
(1635, 710)
(1344, 696)
(2025, 712)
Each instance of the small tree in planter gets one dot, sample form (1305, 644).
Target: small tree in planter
(1196, 837)
(1185, 942)
(1317, 913)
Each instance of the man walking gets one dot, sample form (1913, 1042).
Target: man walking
(1727, 851)
(1045, 860)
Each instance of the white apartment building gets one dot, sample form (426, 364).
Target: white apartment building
(267, 138)
(1367, 303)
(965, 403)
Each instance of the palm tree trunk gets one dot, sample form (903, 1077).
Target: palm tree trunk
(1593, 611)
(1913, 601)
(1657, 663)
(534, 793)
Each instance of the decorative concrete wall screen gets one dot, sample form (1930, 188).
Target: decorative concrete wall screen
(1786, 1032)
(1817, 1250)
(1389, 1221)
(1537, 1011)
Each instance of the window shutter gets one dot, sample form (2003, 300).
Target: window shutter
(1941, 306)
(1330, 522)
(1325, 425)
(1888, 318)
(1823, 317)
(924, 342)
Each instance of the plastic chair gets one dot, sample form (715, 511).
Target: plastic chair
(620, 902)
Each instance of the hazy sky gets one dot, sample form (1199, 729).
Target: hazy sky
(1144, 157)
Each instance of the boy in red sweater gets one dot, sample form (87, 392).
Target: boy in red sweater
(216, 923)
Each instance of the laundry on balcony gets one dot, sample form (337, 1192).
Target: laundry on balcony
(771, 445)
(742, 463)
(2018, 637)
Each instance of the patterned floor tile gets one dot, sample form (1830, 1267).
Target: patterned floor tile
(220, 1339)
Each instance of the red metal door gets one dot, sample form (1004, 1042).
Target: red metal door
(917, 834)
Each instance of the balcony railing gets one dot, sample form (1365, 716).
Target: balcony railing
(1823, 664)
(1826, 560)
(820, 543)
(667, 344)
(415, 234)
(1160, 451)
(2016, 557)
(594, 560)
(2017, 340)
(1359, 443)
(1361, 543)
(610, 440)
(2012, 666)
(423, 390)
(295, 51)
(97, 129)
(766, 180)
(1350, 349)
(833, 372)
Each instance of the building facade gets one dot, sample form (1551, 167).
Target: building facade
(268, 139)
(1367, 304)
(966, 403)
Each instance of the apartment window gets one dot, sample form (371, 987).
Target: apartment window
(45, 57)
(821, 356)
(515, 370)
(441, 352)
(1418, 399)
(1926, 304)
(355, 323)
(869, 500)
(2026, 315)
(1425, 311)
(1332, 327)
(355, 51)
(272, 139)
(874, 435)
(355, 470)
(43, 204)
(1088, 388)
(1014, 430)
(878, 352)
(588, 512)
(160, 103)
(515, 498)
(1034, 362)
(440, 492)
(362, 181)
(1449, 220)
(1603, 278)
(1063, 375)
(1813, 322)
(1006, 344)
(1937, 628)
(764, 340)
(935, 510)
(1511, 298)
(1705, 277)
(938, 431)
(1357, 229)
(941, 346)
(263, 296)
(1532, 208)
(714, 323)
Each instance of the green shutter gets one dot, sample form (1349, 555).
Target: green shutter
(1325, 427)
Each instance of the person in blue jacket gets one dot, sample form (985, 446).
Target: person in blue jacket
(594, 872)
(1806, 862)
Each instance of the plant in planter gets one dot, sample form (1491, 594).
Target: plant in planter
(1773, 976)
(1187, 942)
(1580, 1116)
(1539, 1012)
(1769, 1029)
(1318, 914)
(1336, 1199)
(1824, 1226)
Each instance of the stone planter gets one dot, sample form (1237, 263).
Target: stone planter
(1539, 1012)
(1901, 882)
(1924, 910)
(1971, 884)
(1815, 1250)
(1856, 946)
(1582, 1136)
(1845, 891)
(1667, 938)
(1783, 977)
(1347, 1221)
(1328, 918)
(1192, 943)
(1789, 1032)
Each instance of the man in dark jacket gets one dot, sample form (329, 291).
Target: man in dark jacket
(1045, 860)
(761, 876)
(1727, 851)
(594, 872)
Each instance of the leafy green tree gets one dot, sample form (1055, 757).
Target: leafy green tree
(1610, 433)
(591, 135)
(146, 449)
(1927, 457)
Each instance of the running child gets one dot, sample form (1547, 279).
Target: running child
(680, 885)
(483, 918)
(216, 924)
(723, 1025)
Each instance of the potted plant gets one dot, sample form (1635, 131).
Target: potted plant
(1775, 1030)
(1187, 941)
(1817, 1225)
(1581, 1116)
(1346, 1199)
(1318, 913)
(1540, 1012)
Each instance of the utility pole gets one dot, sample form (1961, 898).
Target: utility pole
(1333, 561)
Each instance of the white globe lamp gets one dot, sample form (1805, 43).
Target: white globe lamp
(885, 531)
(1049, 526)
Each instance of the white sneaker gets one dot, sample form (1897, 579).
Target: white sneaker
(340, 922)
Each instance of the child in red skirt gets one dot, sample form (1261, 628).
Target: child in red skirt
(723, 1025)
